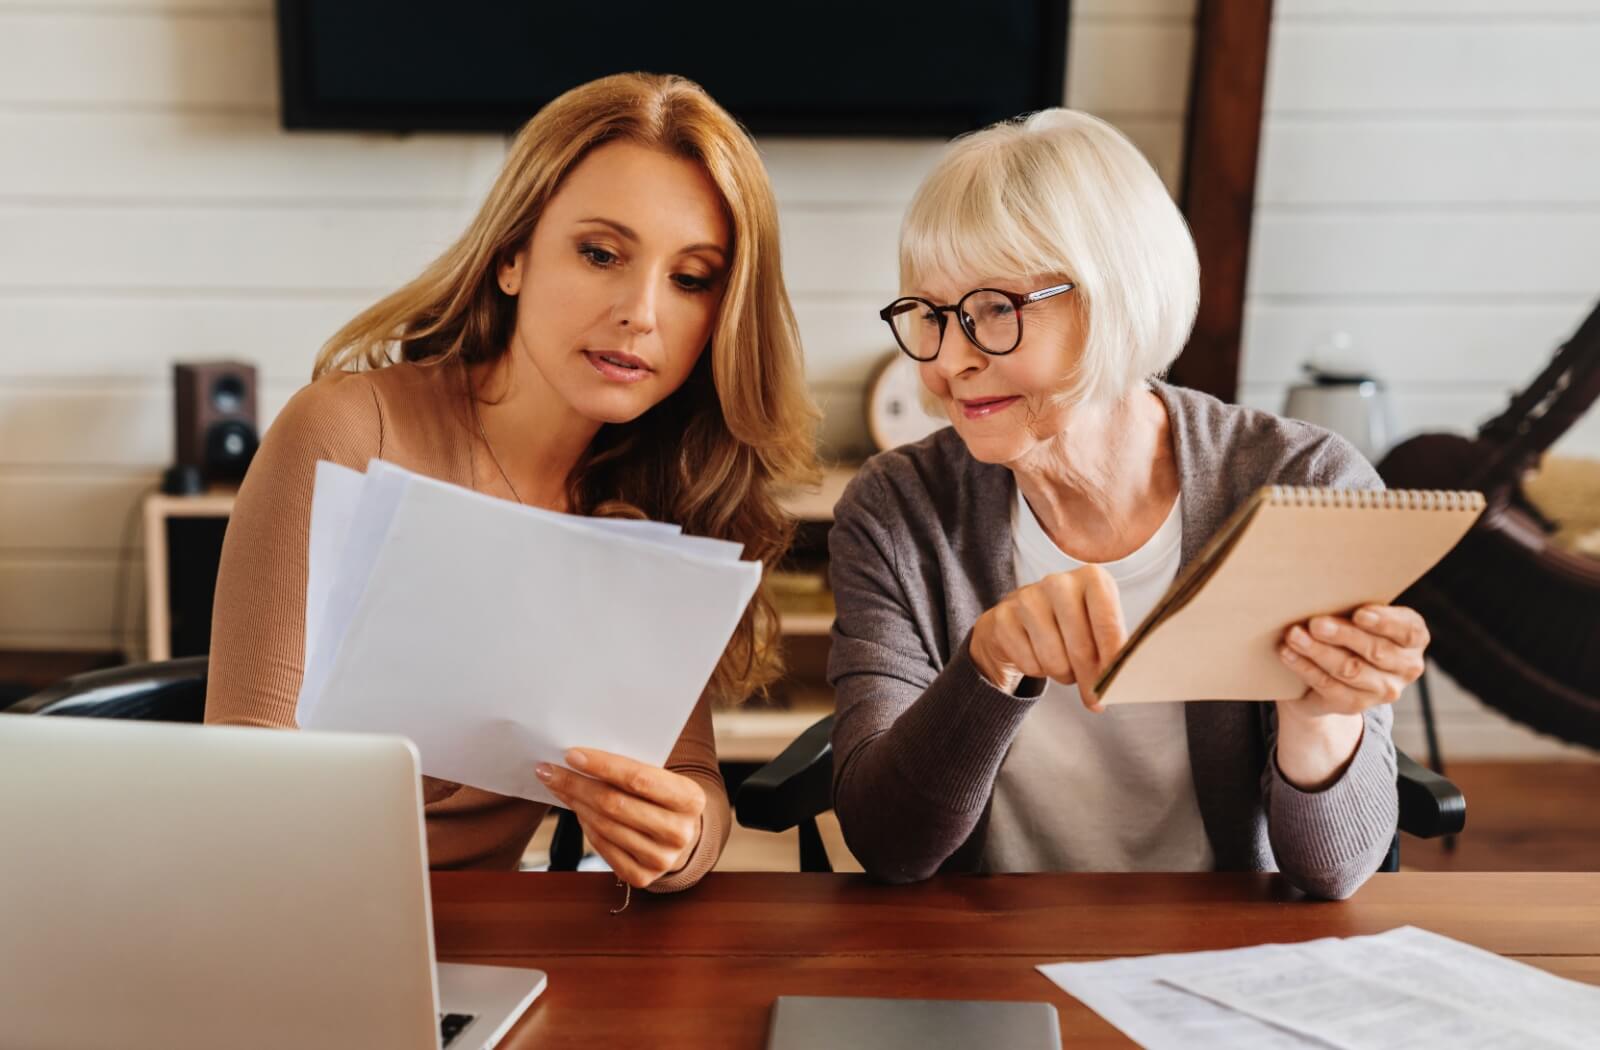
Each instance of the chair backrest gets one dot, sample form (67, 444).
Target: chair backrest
(166, 691)
(1541, 412)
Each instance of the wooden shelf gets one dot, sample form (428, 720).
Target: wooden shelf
(817, 504)
(800, 624)
(159, 508)
(805, 504)
(213, 503)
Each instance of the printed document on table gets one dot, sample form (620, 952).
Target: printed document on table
(495, 636)
(1404, 988)
(1133, 994)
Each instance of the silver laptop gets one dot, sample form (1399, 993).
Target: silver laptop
(183, 886)
(801, 1022)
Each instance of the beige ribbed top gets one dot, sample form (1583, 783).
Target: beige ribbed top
(415, 416)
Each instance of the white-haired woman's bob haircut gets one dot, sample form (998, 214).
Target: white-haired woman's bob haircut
(1063, 194)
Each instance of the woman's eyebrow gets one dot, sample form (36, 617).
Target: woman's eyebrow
(628, 233)
(625, 231)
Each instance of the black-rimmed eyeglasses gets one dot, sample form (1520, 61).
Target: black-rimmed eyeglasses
(991, 319)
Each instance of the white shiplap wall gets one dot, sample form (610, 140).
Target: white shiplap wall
(152, 210)
(1427, 194)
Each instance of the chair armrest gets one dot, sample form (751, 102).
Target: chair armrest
(798, 785)
(166, 691)
(792, 788)
(1430, 805)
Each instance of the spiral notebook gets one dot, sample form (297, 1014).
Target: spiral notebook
(1290, 553)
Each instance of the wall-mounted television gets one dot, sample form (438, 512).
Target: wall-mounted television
(917, 67)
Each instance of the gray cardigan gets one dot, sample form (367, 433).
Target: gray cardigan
(921, 545)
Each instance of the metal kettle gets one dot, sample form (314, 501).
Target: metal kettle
(1351, 404)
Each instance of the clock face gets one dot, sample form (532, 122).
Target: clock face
(895, 413)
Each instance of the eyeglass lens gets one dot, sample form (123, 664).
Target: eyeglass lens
(989, 319)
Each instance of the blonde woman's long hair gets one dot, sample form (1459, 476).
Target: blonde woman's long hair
(712, 455)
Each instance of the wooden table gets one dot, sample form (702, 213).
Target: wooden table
(701, 969)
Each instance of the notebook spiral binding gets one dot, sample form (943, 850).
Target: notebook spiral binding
(1386, 499)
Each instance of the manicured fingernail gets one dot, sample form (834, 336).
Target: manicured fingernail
(1298, 637)
(1322, 627)
(577, 759)
(1288, 656)
(543, 772)
(1367, 618)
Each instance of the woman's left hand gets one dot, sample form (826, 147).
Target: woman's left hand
(1348, 665)
(1352, 663)
(644, 820)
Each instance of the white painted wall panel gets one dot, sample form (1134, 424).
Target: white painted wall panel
(138, 59)
(853, 173)
(1427, 163)
(315, 249)
(62, 597)
(1130, 68)
(1519, 10)
(79, 510)
(1434, 65)
(1088, 10)
(1473, 256)
(233, 7)
(243, 158)
(139, 334)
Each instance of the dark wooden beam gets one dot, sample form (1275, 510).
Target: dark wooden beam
(1219, 182)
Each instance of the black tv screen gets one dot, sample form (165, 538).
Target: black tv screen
(919, 67)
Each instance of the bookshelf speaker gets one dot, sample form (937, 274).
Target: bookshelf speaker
(215, 418)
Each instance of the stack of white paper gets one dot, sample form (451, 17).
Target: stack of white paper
(495, 636)
(1407, 988)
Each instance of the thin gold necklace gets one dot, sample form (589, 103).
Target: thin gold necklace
(478, 417)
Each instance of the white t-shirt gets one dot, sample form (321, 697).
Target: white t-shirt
(1113, 791)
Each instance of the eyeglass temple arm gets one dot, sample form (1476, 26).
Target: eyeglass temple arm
(1045, 293)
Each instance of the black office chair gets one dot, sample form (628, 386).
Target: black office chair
(175, 691)
(170, 691)
(797, 786)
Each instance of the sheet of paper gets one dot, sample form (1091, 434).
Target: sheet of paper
(1133, 994)
(496, 637)
(335, 496)
(1432, 966)
(369, 524)
(1404, 988)
(340, 537)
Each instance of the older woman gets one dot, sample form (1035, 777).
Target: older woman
(985, 575)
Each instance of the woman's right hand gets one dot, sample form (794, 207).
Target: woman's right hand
(1066, 627)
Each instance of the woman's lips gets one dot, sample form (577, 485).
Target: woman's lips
(617, 366)
(978, 407)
